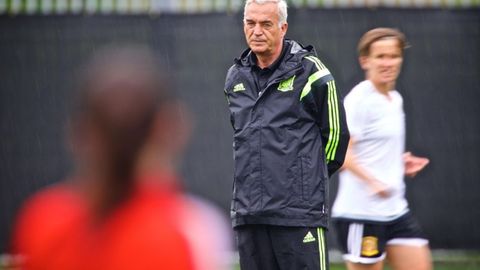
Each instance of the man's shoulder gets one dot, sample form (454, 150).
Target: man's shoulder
(233, 80)
(316, 69)
(360, 94)
(308, 56)
(313, 61)
(232, 72)
(360, 89)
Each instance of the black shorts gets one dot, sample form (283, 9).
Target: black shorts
(365, 241)
(267, 247)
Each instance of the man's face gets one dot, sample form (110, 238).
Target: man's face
(262, 32)
(384, 61)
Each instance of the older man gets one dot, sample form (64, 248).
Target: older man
(290, 135)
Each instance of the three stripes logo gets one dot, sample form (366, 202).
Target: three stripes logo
(239, 87)
(309, 238)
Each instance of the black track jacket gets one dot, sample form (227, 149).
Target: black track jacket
(288, 139)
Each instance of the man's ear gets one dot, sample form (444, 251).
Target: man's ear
(363, 60)
(284, 28)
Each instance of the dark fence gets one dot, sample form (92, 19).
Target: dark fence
(440, 84)
(62, 7)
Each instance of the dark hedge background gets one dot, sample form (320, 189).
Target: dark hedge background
(440, 83)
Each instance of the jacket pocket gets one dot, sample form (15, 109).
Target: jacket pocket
(242, 171)
(300, 175)
(305, 177)
(241, 154)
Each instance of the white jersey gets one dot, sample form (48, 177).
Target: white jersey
(377, 126)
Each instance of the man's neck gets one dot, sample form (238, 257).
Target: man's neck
(383, 88)
(264, 61)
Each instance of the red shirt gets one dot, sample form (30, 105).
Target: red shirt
(55, 231)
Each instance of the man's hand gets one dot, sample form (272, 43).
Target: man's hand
(414, 164)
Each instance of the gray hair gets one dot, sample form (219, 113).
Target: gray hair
(282, 9)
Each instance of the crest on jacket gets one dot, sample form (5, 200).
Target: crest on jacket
(286, 85)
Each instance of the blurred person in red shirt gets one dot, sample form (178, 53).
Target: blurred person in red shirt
(123, 207)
